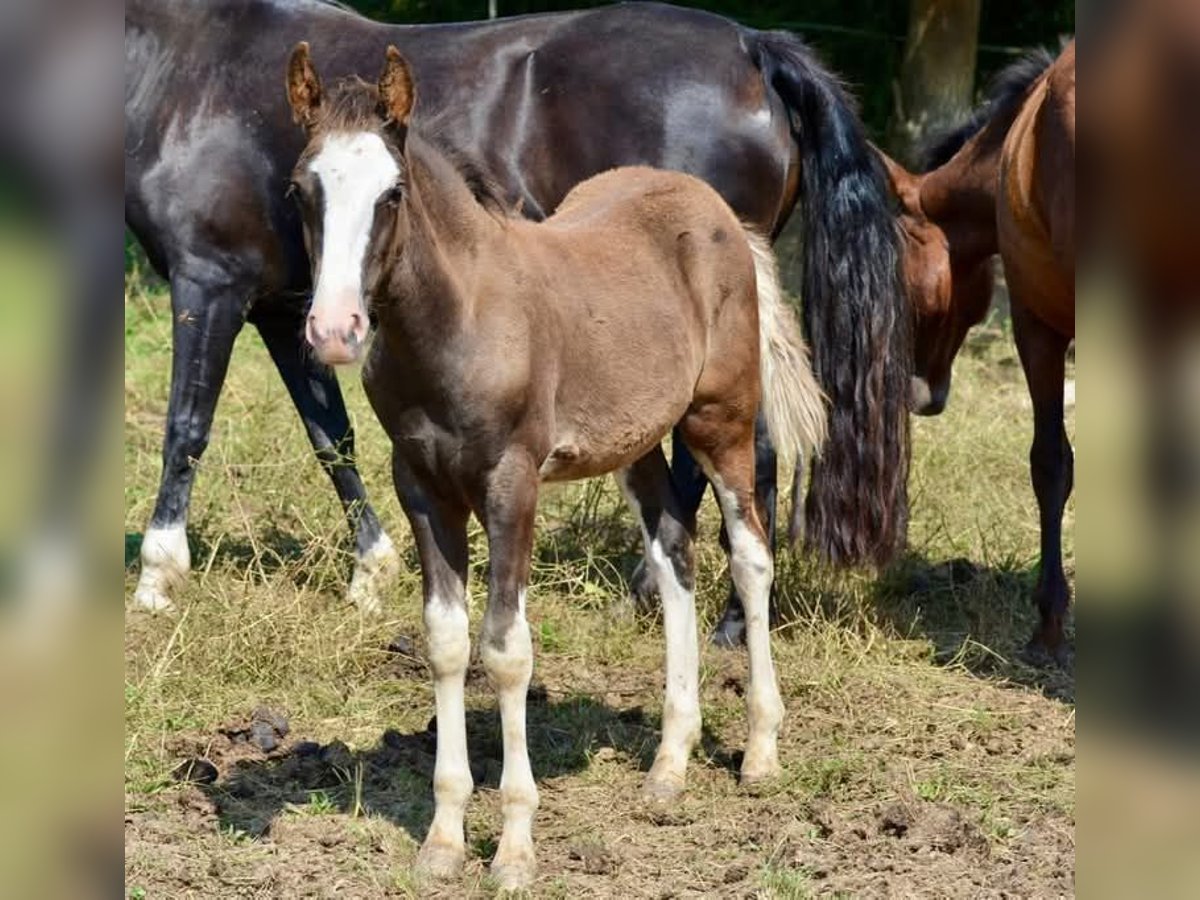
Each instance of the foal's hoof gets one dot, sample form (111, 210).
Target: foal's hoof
(643, 591)
(373, 571)
(759, 767)
(440, 860)
(151, 599)
(662, 790)
(514, 874)
(753, 776)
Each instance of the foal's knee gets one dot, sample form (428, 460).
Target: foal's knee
(448, 636)
(506, 648)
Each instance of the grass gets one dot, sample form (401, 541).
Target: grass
(905, 689)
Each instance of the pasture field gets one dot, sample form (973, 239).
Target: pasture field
(922, 757)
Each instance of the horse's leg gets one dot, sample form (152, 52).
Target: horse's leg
(206, 320)
(507, 652)
(439, 527)
(730, 631)
(729, 461)
(318, 398)
(1043, 357)
(667, 535)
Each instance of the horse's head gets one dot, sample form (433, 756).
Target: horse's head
(349, 183)
(947, 296)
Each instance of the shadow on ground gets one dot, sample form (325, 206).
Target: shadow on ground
(393, 779)
(975, 617)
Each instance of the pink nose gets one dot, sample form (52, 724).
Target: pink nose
(337, 339)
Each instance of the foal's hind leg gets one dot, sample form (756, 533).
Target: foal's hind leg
(730, 631)
(726, 450)
(668, 542)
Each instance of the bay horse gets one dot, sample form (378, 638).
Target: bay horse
(1004, 182)
(508, 353)
(209, 145)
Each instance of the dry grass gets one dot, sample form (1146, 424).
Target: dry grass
(921, 756)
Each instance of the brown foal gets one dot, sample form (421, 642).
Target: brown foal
(508, 353)
(1005, 184)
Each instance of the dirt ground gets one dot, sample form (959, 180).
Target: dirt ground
(277, 746)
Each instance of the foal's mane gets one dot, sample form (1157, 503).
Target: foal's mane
(352, 104)
(1002, 99)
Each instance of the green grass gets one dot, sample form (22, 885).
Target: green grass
(902, 688)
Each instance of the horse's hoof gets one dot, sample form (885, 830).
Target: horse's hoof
(643, 592)
(662, 790)
(729, 634)
(514, 874)
(373, 571)
(439, 860)
(1040, 655)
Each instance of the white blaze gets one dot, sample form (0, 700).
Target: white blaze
(354, 171)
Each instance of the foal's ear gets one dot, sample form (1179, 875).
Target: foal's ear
(303, 87)
(397, 94)
(905, 185)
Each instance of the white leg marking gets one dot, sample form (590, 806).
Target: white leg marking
(681, 705)
(508, 660)
(166, 562)
(372, 571)
(446, 630)
(752, 570)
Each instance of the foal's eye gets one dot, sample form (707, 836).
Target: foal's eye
(292, 192)
(393, 195)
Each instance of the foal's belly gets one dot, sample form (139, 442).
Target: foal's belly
(588, 445)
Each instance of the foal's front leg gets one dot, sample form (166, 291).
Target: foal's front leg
(439, 527)
(509, 510)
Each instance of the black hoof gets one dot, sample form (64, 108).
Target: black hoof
(1040, 656)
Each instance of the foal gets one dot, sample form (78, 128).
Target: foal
(509, 353)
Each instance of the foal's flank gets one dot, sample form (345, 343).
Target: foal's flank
(509, 353)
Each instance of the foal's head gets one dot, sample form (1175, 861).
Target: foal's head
(349, 183)
(948, 297)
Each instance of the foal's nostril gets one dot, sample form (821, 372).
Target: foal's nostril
(357, 330)
(312, 332)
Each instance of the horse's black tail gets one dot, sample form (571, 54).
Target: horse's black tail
(855, 312)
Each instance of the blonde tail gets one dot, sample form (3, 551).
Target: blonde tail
(792, 402)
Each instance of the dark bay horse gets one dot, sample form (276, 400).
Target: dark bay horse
(1004, 183)
(508, 353)
(537, 103)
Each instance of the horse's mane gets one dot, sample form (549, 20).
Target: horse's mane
(1002, 98)
(353, 104)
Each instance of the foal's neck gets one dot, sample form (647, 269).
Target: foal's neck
(433, 284)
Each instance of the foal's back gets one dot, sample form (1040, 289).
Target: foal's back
(648, 294)
(667, 227)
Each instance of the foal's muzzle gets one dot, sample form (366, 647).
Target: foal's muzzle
(336, 336)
